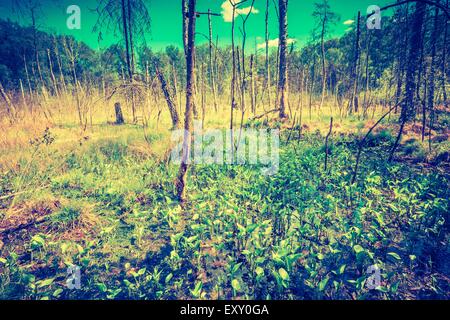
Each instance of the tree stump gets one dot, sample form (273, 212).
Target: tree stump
(119, 115)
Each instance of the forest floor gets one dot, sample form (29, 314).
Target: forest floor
(104, 201)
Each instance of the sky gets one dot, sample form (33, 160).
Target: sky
(166, 17)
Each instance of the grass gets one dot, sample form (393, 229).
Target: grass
(106, 200)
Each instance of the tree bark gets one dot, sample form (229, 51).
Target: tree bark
(354, 99)
(283, 72)
(431, 78)
(119, 115)
(190, 79)
(169, 99)
(413, 60)
(211, 69)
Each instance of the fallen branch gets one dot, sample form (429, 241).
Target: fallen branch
(264, 114)
(363, 140)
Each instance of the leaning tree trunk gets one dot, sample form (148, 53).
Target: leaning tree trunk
(169, 99)
(180, 184)
(283, 75)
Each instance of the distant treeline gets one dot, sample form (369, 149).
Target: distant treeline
(31, 57)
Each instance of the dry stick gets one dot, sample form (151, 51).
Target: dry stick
(264, 114)
(23, 226)
(292, 128)
(23, 191)
(326, 142)
(361, 143)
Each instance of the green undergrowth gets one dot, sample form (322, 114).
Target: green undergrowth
(301, 233)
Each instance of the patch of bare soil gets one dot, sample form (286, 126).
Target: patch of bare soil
(28, 215)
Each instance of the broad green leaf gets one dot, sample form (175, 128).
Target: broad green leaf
(283, 274)
(394, 255)
(358, 249)
(236, 285)
(323, 283)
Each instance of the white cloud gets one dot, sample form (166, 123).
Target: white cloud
(274, 43)
(227, 11)
(349, 22)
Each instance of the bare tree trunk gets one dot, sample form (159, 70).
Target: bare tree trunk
(444, 59)
(313, 80)
(402, 50)
(130, 34)
(366, 90)
(413, 61)
(211, 69)
(203, 102)
(430, 97)
(169, 99)
(324, 70)
(354, 99)
(283, 72)
(185, 20)
(190, 78)
(252, 85)
(268, 84)
(119, 114)
(233, 85)
(125, 35)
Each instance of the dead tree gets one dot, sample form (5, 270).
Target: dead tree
(212, 81)
(119, 114)
(353, 103)
(268, 84)
(252, 85)
(170, 99)
(444, 60)
(283, 72)
(181, 181)
(407, 107)
(131, 17)
(431, 78)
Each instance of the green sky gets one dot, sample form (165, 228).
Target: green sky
(166, 20)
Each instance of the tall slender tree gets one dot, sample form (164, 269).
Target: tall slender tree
(131, 17)
(181, 181)
(407, 105)
(283, 70)
(325, 18)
